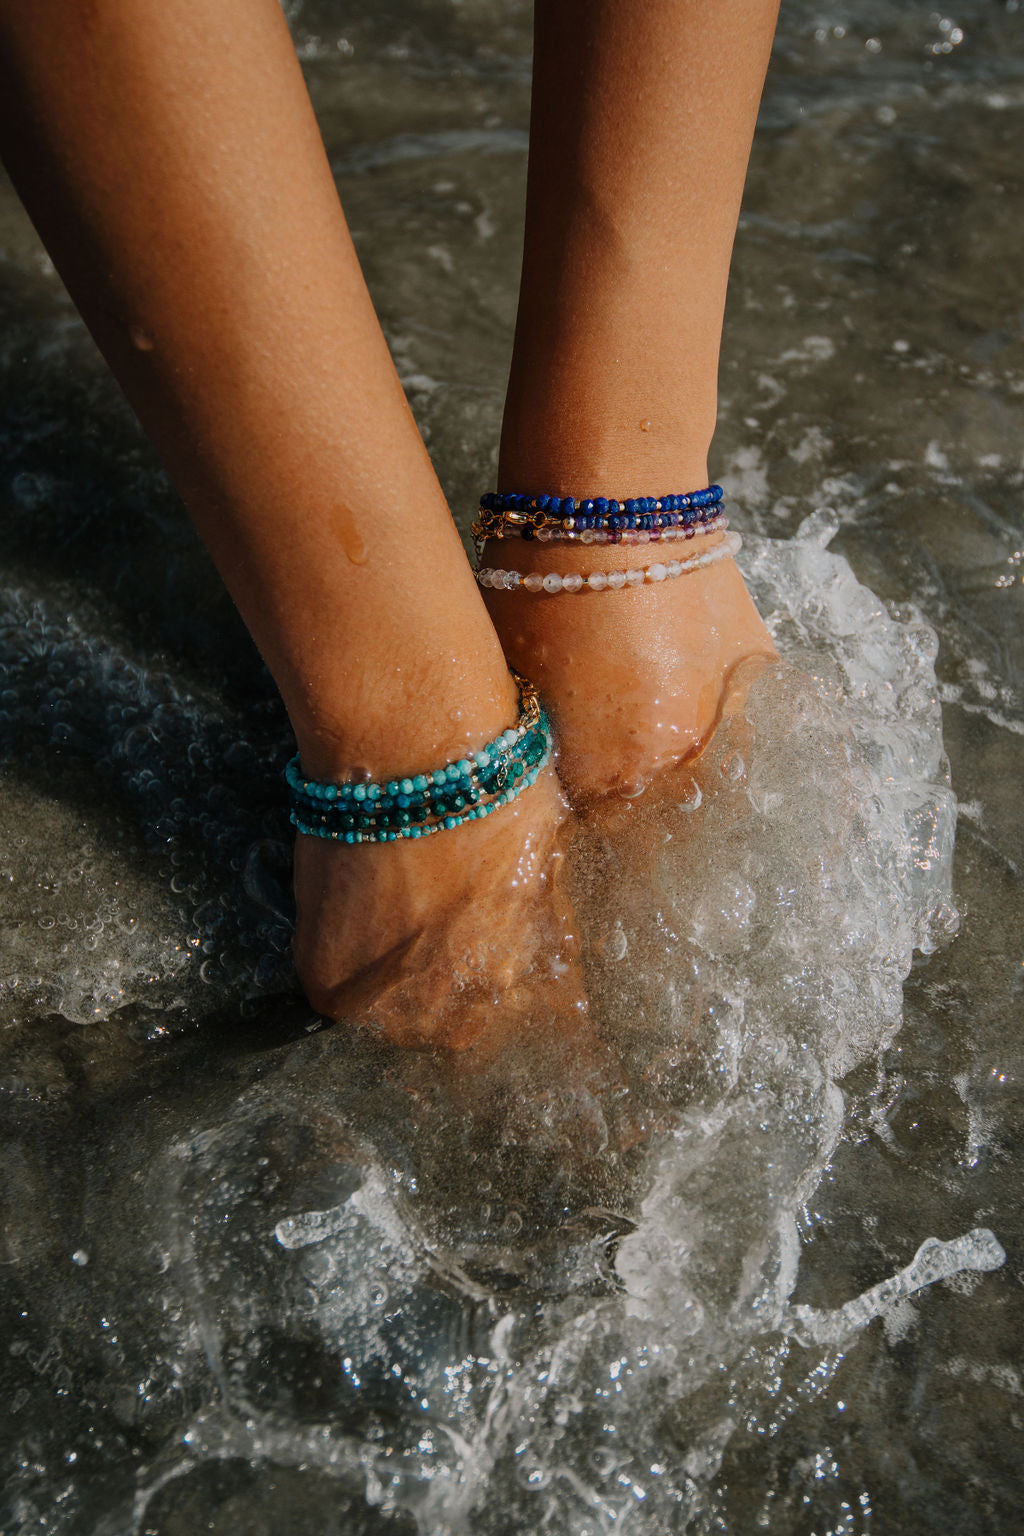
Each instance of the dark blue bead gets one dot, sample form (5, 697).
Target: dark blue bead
(568, 506)
(631, 523)
(613, 506)
(586, 507)
(543, 502)
(632, 505)
(601, 504)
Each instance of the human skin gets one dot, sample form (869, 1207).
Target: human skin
(641, 126)
(168, 154)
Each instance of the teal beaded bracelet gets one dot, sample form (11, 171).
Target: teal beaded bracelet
(418, 805)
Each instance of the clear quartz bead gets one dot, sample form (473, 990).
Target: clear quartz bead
(534, 582)
(512, 580)
(656, 572)
(673, 569)
(635, 577)
(573, 582)
(616, 580)
(552, 582)
(588, 536)
(597, 581)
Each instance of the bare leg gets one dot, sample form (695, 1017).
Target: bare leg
(168, 153)
(640, 134)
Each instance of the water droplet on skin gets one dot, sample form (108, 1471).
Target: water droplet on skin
(80, 1257)
(140, 338)
(645, 425)
(349, 536)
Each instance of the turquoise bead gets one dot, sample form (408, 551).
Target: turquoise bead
(421, 804)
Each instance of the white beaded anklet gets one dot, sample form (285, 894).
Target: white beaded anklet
(600, 581)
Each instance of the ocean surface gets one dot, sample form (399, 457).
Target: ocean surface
(754, 1265)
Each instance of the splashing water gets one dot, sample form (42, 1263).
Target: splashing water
(551, 1295)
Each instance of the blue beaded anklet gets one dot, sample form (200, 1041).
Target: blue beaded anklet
(418, 805)
(569, 506)
(525, 515)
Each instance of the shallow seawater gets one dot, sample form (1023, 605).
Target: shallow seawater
(744, 1252)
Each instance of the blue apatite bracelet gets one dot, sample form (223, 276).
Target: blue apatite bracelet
(417, 805)
(527, 514)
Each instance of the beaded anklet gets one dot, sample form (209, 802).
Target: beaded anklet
(420, 804)
(501, 511)
(601, 581)
(628, 536)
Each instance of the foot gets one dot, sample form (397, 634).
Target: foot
(452, 941)
(633, 680)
